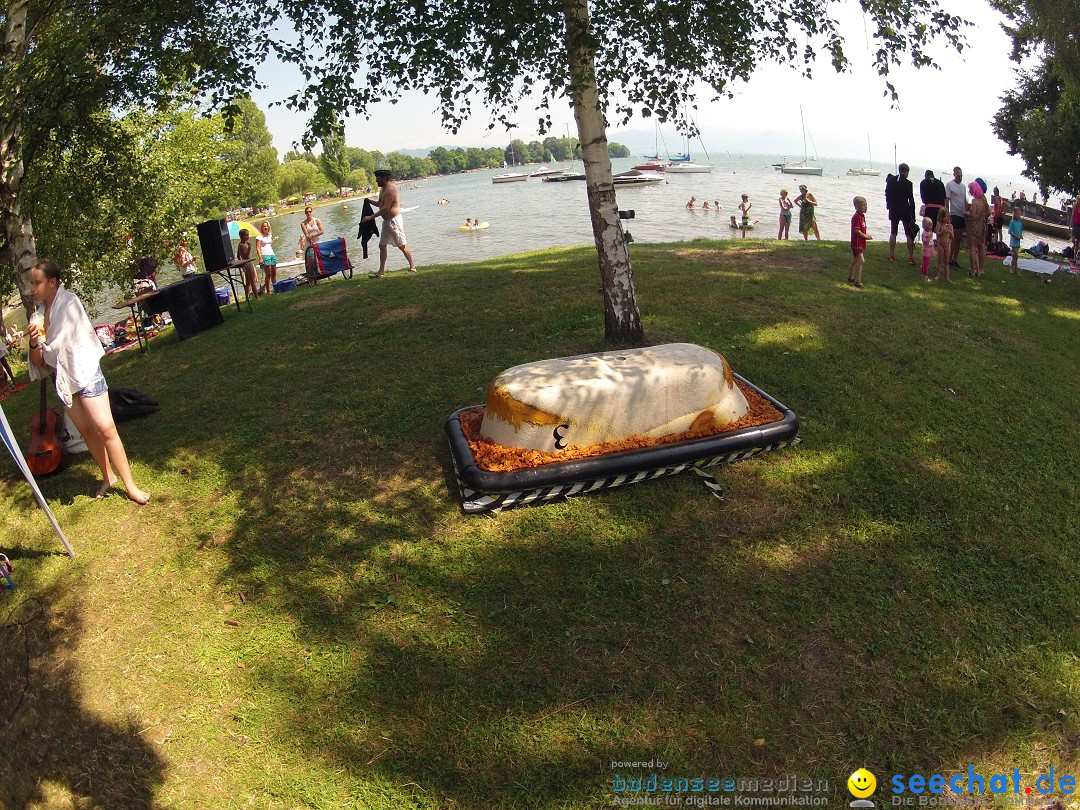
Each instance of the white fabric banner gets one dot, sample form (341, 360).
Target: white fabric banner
(16, 453)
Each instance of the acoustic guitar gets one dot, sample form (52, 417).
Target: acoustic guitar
(46, 449)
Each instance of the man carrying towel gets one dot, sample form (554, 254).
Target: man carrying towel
(393, 232)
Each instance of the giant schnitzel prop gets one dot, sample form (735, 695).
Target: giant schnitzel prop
(565, 426)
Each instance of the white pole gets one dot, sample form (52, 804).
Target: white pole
(16, 453)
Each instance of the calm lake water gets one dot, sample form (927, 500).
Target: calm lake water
(533, 215)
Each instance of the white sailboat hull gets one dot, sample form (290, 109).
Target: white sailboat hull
(800, 168)
(688, 168)
(509, 178)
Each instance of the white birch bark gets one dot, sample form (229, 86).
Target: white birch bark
(20, 252)
(622, 319)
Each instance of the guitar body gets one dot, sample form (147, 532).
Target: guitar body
(46, 450)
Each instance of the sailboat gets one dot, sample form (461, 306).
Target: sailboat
(801, 166)
(868, 170)
(682, 164)
(567, 175)
(511, 177)
(653, 162)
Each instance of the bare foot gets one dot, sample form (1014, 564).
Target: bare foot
(103, 490)
(140, 497)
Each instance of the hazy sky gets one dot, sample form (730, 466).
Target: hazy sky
(942, 120)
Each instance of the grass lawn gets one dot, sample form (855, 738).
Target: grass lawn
(302, 617)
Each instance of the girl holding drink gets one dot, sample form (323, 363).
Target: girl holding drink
(62, 341)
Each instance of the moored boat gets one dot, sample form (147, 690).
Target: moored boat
(801, 166)
(1041, 219)
(629, 182)
(868, 170)
(682, 164)
(689, 167)
(510, 177)
(546, 171)
(564, 177)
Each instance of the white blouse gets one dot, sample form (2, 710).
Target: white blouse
(71, 347)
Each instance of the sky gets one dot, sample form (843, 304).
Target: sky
(943, 117)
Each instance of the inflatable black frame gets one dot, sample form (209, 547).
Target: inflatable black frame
(484, 491)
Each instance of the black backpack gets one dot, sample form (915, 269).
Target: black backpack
(128, 403)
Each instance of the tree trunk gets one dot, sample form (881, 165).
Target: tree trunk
(622, 319)
(20, 250)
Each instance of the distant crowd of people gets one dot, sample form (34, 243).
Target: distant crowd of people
(948, 216)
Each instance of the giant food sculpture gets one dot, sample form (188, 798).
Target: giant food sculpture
(560, 427)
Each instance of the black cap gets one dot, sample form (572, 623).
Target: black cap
(382, 172)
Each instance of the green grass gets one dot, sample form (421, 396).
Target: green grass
(302, 617)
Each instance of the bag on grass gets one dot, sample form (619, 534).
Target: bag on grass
(128, 403)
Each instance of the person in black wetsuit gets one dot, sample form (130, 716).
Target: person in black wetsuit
(932, 193)
(900, 200)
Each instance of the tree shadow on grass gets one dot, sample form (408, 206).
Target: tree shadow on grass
(57, 752)
(510, 672)
(866, 599)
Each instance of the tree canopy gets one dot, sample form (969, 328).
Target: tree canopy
(64, 64)
(251, 158)
(1039, 117)
(606, 59)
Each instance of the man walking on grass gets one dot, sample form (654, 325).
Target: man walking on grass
(393, 232)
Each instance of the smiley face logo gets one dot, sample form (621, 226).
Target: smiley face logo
(861, 783)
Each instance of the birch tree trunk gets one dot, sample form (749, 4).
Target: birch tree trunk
(20, 252)
(622, 319)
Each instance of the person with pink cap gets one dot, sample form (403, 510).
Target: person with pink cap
(978, 216)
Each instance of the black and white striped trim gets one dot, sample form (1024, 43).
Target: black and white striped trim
(476, 502)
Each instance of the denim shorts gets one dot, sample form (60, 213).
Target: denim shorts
(95, 388)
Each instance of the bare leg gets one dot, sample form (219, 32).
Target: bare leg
(408, 255)
(93, 417)
(892, 242)
(382, 260)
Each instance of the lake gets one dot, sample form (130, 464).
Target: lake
(533, 215)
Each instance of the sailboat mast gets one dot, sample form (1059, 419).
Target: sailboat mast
(803, 122)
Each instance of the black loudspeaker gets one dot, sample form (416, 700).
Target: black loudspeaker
(216, 244)
(191, 302)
